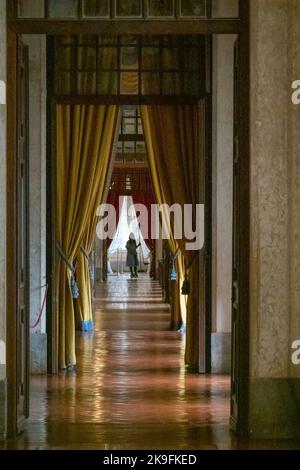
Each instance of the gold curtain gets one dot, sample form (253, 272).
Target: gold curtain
(84, 135)
(178, 314)
(83, 310)
(174, 144)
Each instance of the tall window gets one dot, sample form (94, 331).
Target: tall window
(131, 147)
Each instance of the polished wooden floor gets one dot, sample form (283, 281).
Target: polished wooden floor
(131, 389)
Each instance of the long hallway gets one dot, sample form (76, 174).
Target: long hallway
(131, 389)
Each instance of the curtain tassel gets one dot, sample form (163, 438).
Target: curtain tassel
(173, 273)
(74, 288)
(91, 273)
(186, 286)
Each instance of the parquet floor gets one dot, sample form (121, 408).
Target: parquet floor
(131, 389)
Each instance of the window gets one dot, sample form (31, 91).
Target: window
(31, 8)
(131, 146)
(161, 8)
(65, 9)
(128, 9)
(96, 8)
(130, 65)
(192, 8)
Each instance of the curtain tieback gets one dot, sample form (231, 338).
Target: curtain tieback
(64, 258)
(173, 274)
(186, 286)
(85, 253)
(175, 254)
(74, 286)
(91, 269)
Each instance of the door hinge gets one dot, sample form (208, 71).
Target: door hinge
(235, 294)
(236, 149)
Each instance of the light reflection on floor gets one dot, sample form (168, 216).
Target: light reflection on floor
(131, 389)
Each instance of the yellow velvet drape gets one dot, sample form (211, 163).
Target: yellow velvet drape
(178, 314)
(174, 143)
(84, 138)
(84, 313)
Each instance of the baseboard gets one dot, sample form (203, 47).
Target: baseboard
(274, 408)
(221, 353)
(38, 353)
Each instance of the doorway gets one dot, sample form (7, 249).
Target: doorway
(244, 175)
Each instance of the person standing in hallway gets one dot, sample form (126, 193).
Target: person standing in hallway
(148, 262)
(132, 258)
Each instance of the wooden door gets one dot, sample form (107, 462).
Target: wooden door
(205, 179)
(204, 108)
(23, 312)
(240, 264)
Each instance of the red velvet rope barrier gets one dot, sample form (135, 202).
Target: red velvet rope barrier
(41, 309)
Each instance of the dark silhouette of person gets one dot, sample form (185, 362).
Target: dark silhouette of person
(132, 258)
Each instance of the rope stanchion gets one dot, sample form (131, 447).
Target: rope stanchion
(41, 309)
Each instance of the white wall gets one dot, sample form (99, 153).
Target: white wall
(222, 147)
(37, 171)
(37, 195)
